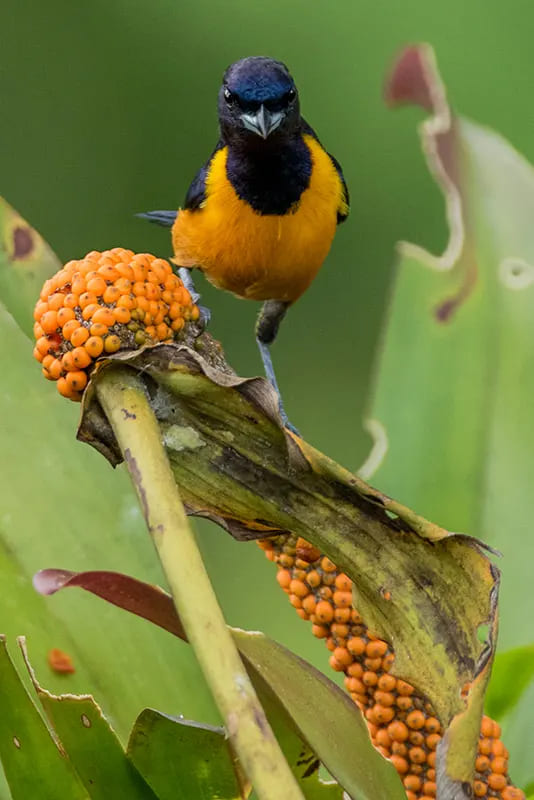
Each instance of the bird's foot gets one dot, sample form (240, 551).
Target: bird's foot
(289, 425)
(204, 316)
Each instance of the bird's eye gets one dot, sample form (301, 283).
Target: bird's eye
(229, 96)
(291, 95)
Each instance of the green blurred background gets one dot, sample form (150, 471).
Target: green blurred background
(108, 108)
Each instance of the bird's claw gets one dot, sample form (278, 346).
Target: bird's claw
(287, 424)
(204, 316)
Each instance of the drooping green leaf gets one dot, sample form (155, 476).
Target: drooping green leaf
(513, 672)
(91, 745)
(324, 715)
(33, 763)
(64, 505)
(450, 412)
(312, 718)
(180, 759)
(26, 261)
(236, 466)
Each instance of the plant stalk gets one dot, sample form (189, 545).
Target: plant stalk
(126, 406)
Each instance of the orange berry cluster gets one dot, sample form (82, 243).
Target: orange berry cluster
(103, 303)
(402, 724)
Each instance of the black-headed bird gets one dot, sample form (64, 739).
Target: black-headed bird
(260, 216)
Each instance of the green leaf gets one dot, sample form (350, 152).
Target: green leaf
(92, 746)
(311, 716)
(234, 465)
(64, 505)
(180, 759)
(33, 763)
(26, 261)
(513, 672)
(323, 714)
(450, 412)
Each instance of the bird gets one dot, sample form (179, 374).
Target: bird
(260, 216)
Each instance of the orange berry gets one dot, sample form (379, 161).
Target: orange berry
(283, 577)
(71, 300)
(433, 725)
(373, 664)
(97, 329)
(78, 285)
(56, 369)
(498, 764)
(163, 332)
(37, 330)
(309, 604)
(398, 731)
(335, 664)
(400, 764)
(417, 755)
(404, 688)
(387, 683)
(511, 793)
(55, 301)
(88, 299)
(342, 615)
(324, 611)
(319, 631)
(69, 328)
(343, 599)
(104, 316)
(370, 678)
(415, 720)
(497, 782)
(383, 714)
(343, 583)
(111, 294)
(295, 601)
(108, 273)
(80, 358)
(430, 788)
(327, 565)
(89, 310)
(484, 746)
(356, 645)
(76, 381)
(63, 387)
(94, 346)
(43, 344)
(412, 783)
(40, 309)
(343, 656)
(417, 738)
(432, 740)
(299, 588)
(49, 321)
(482, 763)
(64, 314)
(376, 649)
(177, 324)
(385, 698)
(79, 336)
(497, 747)
(480, 789)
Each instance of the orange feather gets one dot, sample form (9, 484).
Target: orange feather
(255, 256)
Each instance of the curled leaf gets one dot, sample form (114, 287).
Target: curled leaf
(235, 465)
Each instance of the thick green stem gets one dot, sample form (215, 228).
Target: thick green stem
(125, 403)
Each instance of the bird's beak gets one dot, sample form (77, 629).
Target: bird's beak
(263, 122)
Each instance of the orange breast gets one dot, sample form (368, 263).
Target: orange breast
(261, 257)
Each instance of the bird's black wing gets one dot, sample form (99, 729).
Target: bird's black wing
(195, 197)
(343, 210)
(196, 194)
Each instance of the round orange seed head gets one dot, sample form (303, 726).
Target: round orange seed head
(103, 303)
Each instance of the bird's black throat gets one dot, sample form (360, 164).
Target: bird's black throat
(270, 179)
